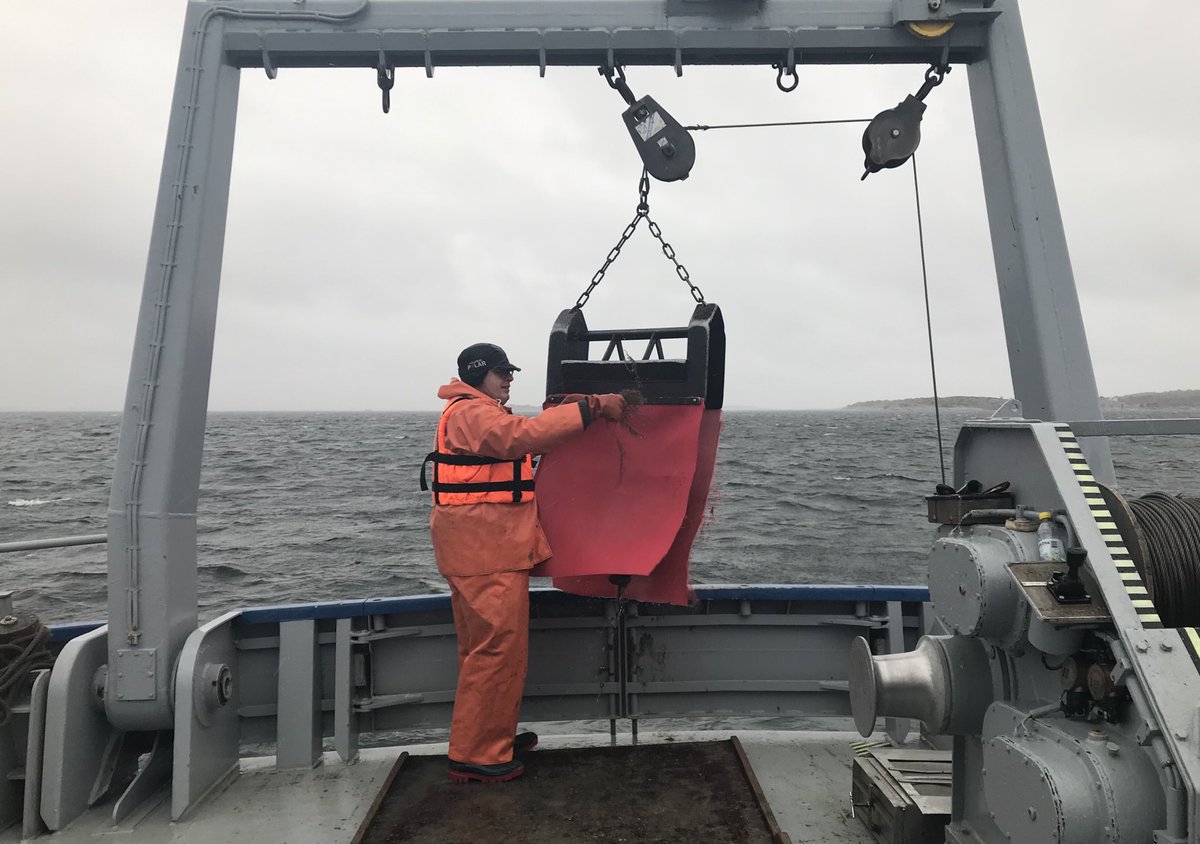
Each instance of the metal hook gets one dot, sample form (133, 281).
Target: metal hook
(385, 75)
(935, 74)
(791, 72)
(270, 68)
(615, 76)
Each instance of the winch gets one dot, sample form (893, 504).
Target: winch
(1062, 685)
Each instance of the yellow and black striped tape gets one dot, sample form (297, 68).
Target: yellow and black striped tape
(1191, 641)
(1134, 585)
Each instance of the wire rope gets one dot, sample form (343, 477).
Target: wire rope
(706, 127)
(1170, 526)
(937, 410)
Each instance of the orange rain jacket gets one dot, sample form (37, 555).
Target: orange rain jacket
(489, 537)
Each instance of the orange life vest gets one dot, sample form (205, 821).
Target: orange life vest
(471, 479)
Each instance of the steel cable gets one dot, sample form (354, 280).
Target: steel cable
(937, 410)
(1170, 525)
(933, 77)
(705, 127)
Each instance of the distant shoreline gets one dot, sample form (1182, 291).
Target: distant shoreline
(1168, 400)
(1171, 400)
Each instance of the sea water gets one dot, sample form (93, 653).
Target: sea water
(299, 507)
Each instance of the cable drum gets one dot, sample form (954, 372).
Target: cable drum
(1162, 533)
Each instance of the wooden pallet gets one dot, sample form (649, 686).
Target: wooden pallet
(903, 794)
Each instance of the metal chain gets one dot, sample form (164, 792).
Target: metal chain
(643, 210)
(612, 256)
(680, 269)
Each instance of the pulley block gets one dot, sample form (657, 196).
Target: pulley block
(893, 135)
(667, 149)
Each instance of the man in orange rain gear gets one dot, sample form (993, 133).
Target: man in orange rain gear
(486, 537)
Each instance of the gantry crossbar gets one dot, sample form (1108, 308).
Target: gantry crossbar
(542, 33)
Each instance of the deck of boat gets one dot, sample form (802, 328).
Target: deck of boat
(805, 775)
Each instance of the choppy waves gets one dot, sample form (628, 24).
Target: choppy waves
(316, 507)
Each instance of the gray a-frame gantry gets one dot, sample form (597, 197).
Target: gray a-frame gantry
(155, 669)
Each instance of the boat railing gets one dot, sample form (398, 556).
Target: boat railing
(350, 662)
(55, 542)
(1136, 427)
(388, 666)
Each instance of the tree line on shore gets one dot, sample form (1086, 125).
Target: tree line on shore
(1167, 400)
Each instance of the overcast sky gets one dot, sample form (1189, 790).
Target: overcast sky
(363, 250)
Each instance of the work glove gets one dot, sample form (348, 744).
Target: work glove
(610, 406)
(561, 400)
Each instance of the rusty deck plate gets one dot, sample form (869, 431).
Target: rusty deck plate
(694, 791)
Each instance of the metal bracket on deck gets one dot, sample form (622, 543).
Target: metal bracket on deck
(206, 714)
(345, 722)
(77, 729)
(298, 717)
(152, 772)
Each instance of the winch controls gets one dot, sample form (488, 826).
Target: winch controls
(1066, 587)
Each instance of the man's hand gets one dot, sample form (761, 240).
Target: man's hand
(610, 406)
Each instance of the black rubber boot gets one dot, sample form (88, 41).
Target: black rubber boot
(502, 772)
(524, 742)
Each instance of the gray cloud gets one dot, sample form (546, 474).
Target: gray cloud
(364, 250)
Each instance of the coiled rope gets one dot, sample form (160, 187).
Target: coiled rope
(1170, 532)
(21, 654)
